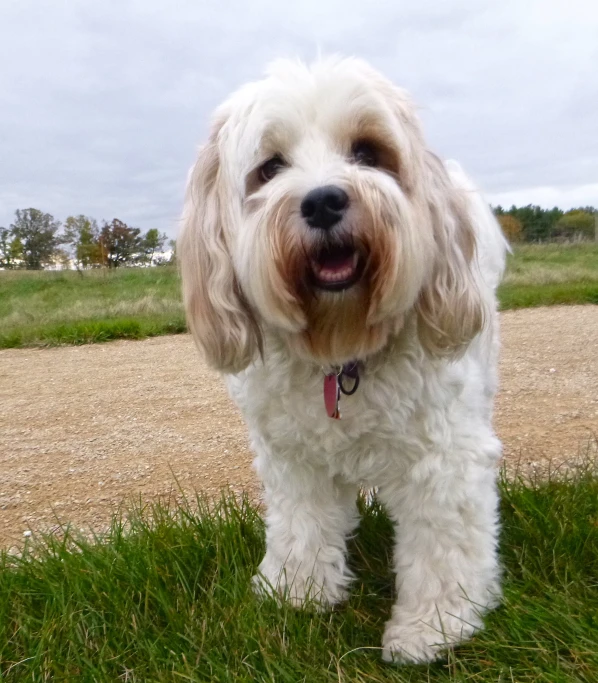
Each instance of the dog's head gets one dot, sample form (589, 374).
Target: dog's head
(316, 211)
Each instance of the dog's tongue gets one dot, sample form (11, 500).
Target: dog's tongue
(335, 267)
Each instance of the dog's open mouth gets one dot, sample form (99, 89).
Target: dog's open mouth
(335, 268)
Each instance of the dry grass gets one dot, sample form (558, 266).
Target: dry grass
(549, 264)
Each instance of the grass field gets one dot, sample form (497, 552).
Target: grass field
(170, 600)
(62, 307)
(548, 274)
(165, 595)
(49, 308)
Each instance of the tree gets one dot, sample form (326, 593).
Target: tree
(172, 245)
(537, 223)
(62, 258)
(119, 244)
(576, 223)
(5, 240)
(37, 232)
(511, 227)
(152, 241)
(11, 250)
(16, 252)
(82, 233)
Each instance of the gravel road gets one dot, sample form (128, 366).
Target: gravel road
(84, 428)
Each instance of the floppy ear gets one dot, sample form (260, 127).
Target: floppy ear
(450, 307)
(218, 315)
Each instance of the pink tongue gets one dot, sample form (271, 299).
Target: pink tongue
(332, 266)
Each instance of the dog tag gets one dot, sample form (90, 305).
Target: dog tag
(332, 395)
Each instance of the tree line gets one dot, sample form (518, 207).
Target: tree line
(535, 224)
(35, 240)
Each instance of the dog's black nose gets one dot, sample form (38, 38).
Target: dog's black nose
(324, 207)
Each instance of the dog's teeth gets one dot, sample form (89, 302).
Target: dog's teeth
(331, 272)
(335, 276)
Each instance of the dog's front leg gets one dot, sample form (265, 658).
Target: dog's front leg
(445, 556)
(309, 516)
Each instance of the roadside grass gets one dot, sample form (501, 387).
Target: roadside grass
(63, 307)
(531, 296)
(165, 595)
(49, 308)
(544, 264)
(549, 274)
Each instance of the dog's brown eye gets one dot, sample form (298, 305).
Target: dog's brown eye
(269, 169)
(364, 153)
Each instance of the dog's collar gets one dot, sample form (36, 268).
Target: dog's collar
(334, 386)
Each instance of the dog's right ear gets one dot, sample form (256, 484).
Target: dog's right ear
(218, 315)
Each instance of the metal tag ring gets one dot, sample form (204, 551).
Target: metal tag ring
(342, 388)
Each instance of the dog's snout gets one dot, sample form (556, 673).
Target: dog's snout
(324, 207)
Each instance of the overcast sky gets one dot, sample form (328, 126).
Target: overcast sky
(102, 104)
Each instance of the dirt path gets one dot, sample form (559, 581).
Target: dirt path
(82, 428)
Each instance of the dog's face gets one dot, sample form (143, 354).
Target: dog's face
(316, 211)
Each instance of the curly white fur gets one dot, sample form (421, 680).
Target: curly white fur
(421, 320)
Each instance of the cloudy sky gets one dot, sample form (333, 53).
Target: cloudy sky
(102, 104)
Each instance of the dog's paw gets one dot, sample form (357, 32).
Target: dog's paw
(321, 590)
(404, 646)
(302, 594)
(421, 643)
(297, 593)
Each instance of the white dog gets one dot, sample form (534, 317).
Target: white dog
(324, 246)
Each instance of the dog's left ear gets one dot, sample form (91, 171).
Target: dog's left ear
(450, 307)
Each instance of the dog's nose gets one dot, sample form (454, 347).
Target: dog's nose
(324, 207)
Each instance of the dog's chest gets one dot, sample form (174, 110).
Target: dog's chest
(286, 415)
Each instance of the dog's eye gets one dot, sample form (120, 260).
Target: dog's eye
(364, 153)
(271, 167)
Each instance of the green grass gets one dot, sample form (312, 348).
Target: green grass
(549, 274)
(49, 308)
(167, 597)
